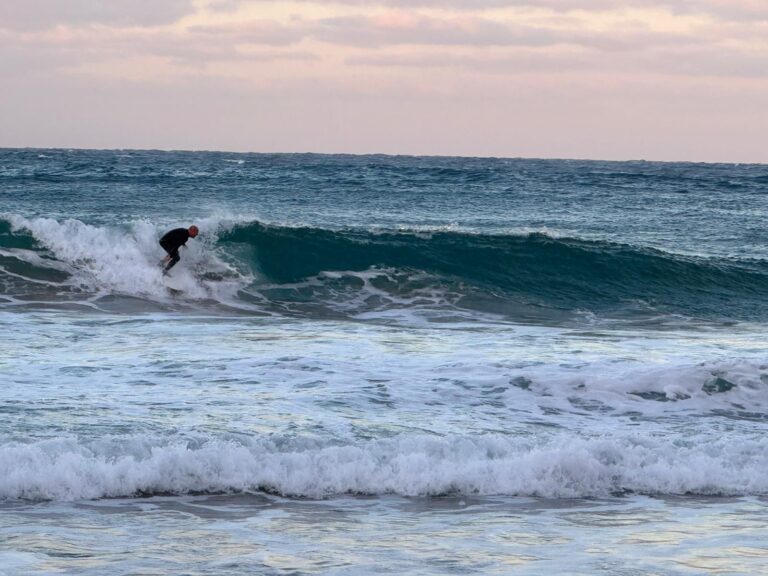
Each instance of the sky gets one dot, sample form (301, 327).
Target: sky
(601, 79)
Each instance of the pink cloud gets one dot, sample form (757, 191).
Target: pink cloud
(729, 9)
(253, 32)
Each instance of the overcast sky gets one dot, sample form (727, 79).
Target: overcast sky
(602, 79)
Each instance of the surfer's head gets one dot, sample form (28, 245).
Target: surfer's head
(192, 231)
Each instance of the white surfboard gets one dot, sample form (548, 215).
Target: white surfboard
(173, 285)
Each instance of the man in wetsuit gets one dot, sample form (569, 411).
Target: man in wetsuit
(174, 240)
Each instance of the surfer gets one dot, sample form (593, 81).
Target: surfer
(174, 240)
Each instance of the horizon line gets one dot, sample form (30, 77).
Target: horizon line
(385, 154)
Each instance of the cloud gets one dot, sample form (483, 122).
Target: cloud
(738, 6)
(108, 52)
(224, 5)
(42, 14)
(253, 32)
(724, 9)
(405, 28)
(686, 62)
(528, 62)
(721, 9)
(405, 40)
(417, 30)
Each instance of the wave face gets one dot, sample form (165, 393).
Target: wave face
(507, 271)
(310, 271)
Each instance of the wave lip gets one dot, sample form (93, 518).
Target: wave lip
(406, 465)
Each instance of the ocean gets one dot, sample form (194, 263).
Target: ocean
(382, 365)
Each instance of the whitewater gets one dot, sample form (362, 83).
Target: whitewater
(376, 364)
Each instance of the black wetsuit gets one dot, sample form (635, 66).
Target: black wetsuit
(171, 243)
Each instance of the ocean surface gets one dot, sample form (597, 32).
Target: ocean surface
(382, 365)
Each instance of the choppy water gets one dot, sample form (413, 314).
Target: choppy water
(381, 364)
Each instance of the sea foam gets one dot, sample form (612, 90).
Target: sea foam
(125, 260)
(65, 469)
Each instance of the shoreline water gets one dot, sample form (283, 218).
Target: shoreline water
(258, 534)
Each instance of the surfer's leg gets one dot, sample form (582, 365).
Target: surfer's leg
(174, 257)
(167, 257)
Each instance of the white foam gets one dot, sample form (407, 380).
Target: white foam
(13, 563)
(557, 467)
(677, 385)
(126, 260)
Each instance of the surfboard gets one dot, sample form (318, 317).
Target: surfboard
(177, 285)
(172, 286)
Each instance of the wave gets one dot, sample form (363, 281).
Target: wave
(503, 273)
(68, 469)
(354, 272)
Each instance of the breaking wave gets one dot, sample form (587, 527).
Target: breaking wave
(65, 469)
(307, 270)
